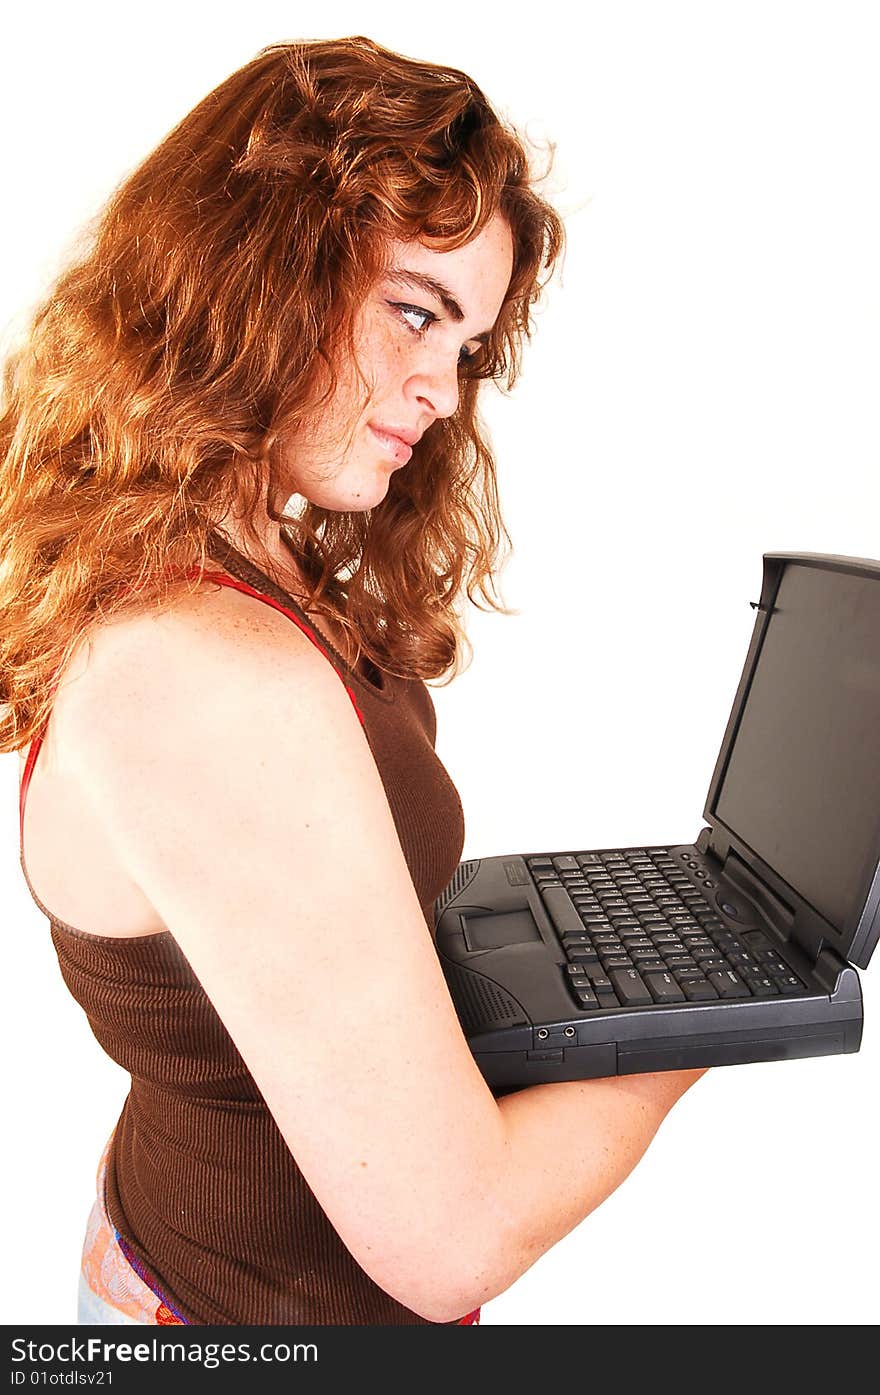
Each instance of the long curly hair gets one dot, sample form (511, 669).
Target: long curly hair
(204, 320)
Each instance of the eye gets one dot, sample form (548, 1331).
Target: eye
(405, 311)
(427, 318)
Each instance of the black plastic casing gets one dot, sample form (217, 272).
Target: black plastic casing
(855, 942)
(512, 999)
(523, 1027)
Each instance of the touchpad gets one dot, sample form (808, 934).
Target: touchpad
(495, 931)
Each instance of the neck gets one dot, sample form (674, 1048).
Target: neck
(264, 546)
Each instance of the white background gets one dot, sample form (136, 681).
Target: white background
(702, 388)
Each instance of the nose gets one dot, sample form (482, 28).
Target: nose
(436, 385)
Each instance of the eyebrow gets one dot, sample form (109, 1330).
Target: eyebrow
(436, 288)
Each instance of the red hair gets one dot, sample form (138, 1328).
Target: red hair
(203, 322)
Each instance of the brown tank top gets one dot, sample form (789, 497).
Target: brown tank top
(201, 1186)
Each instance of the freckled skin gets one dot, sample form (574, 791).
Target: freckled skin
(338, 463)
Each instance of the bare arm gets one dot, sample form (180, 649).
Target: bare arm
(249, 789)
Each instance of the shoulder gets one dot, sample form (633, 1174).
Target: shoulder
(215, 647)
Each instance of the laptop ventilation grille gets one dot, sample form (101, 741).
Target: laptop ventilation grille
(479, 1002)
(464, 873)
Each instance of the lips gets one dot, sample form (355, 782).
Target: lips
(397, 443)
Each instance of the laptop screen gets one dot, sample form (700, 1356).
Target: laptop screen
(801, 787)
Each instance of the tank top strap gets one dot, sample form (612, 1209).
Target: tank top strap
(223, 580)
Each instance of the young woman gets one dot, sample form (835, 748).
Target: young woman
(244, 495)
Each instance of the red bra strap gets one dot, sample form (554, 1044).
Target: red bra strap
(29, 764)
(223, 580)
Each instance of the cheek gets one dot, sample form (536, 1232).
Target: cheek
(384, 355)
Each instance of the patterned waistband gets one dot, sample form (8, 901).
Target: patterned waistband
(114, 1273)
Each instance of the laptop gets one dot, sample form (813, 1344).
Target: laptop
(740, 946)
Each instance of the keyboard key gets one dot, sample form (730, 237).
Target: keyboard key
(773, 964)
(724, 939)
(582, 954)
(698, 990)
(586, 997)
(566, 864)
(616, 961)
(790, 984)
(563, 914)
(749, 972)
(608, 999)
(763, 987)
(664, 988)
(630, 988)
(708, 961)
(729, 984)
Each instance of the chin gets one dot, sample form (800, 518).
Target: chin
(353, 492)
(366, 492)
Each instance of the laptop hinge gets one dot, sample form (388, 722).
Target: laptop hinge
(834, 974)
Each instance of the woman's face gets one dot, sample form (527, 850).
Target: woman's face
(420, 320)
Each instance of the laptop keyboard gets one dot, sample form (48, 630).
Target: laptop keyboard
(636, 931)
